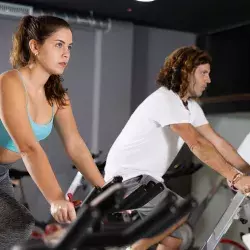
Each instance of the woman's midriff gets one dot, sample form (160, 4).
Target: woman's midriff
(7, 156)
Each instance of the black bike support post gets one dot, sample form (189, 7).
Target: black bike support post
(103, 239)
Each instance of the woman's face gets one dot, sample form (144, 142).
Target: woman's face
(54, 54)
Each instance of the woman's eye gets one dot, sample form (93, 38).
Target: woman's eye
(59, 45)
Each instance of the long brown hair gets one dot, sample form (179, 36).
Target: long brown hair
(39, 29)
(179, 65)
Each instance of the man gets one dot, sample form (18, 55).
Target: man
(158, 128)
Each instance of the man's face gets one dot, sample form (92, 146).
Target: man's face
(199, 80)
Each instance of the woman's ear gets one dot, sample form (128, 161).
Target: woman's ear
(34, 47)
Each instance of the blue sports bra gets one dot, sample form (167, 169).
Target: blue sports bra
(41, 131)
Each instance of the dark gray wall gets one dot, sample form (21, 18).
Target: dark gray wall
(116, 83)
(151, 46)
(7, 26)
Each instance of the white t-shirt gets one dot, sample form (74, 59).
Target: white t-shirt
(244, 147)
(147, 145)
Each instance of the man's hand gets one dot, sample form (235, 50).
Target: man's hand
(243, 184)
(230, 186)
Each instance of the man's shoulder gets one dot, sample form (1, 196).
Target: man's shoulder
(166, 94)
(196, 107)
(195, 103)
(161, 97)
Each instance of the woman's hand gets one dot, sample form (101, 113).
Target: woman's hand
(63, 211)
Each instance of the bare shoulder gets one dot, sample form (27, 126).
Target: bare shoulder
(11, 87)
(10, 77)
(9, 73)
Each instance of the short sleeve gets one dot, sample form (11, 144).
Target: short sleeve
(167, 110)
(243, 149)
(198, 114)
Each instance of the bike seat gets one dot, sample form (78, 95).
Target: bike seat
(17, 174)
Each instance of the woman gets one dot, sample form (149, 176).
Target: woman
(32, 98)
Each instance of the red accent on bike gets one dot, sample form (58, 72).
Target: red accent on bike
(36, 235)
(75, 202)
(51, 228)
(70, 196)
(228, 241)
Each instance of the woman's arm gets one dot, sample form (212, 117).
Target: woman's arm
(13, 113)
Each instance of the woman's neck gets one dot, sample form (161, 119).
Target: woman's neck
(35, 77)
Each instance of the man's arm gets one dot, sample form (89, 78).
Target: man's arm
(204, 149)
(225, 148)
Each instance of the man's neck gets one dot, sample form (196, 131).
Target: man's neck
(185, 101)
(185, 98)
